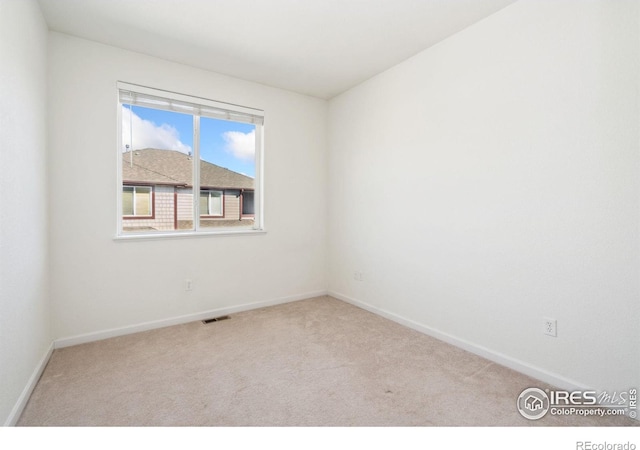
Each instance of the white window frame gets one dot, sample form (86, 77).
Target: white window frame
(197, 107)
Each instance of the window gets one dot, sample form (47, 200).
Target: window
(211, 203)
(187, 165)
(247, 203)
(137, 201)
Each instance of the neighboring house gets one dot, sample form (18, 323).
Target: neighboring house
(157, 192)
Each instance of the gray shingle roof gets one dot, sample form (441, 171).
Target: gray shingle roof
(153, 166)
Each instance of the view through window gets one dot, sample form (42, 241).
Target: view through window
(174, 146)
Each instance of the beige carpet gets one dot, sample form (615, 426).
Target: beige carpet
(315, 362)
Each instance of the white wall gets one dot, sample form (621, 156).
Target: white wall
(25, 335)
(492, 180)
(100, 284)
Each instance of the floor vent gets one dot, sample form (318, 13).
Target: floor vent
(215, 319)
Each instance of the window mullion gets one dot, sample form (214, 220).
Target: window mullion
(196, 172)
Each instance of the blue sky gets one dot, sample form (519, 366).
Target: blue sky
(227, 144)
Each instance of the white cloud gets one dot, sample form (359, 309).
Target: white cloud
(147, 134)
(241, 145)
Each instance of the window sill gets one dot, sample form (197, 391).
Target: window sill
(184, 234)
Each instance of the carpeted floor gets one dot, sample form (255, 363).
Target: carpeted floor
(317, 362)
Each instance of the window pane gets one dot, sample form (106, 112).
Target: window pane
(211, 203)
(157, 149)
(204, 203)
(215, 203)
(227, 167)
(247, 203)
(127, 201)
(143, 201)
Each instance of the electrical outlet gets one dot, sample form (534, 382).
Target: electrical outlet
(188, 285)
(550, 327)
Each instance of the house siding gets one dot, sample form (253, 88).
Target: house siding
(185, 209)
(232, 204)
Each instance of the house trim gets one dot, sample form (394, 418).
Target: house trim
(175, 208)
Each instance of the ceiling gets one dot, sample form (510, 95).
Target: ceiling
(315, 47)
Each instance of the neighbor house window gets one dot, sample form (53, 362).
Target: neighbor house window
(248, 208)
(137, 201)
(211, 203)
(187, 164)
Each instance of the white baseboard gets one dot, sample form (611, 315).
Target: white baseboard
(130, 329)
(497, 357)
(16, 412)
